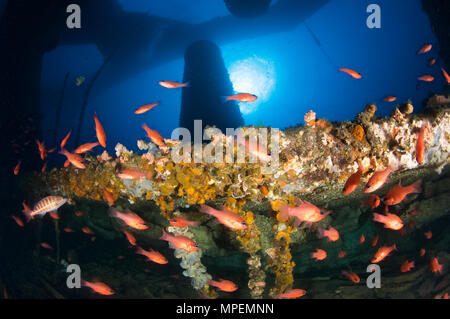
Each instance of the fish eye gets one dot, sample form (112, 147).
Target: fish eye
(367, 186)
(244, 223)
(196, 246)
(321, 213)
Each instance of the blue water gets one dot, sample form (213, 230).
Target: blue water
(293, 72)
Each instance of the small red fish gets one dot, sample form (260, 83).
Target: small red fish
(79, 213)
(152, 255)
(398, 193)
(319, 254)
(154, 136)
(87, 231)
(353, 181)
(131, 174)
(42, 149)
(390, 98)
(85, 148)
(420, 144)
(411, 224)
(332, 234)
(382, 253)
(99, 287)
(242, 97)
(291, 294)
(377, 180)
(446, 76)
(108, 196)
(390, 221)
(180, 242)
(407, 266)
(17, 168)
(431, 62)
(352, 276)
(351, 72)
(428, 234)
(225, 216)
(182, 222)
(131, 239)
(362, 239)
(435, 266)
(414, 212)
(18, 220)
(426, 78)
(99, 131)
(68, 230)
(44, 206)
(54, 215)
(224, 285)
(173, 85)
(44, 167)
(374, 240)
(46, 246)
(305, 212)
(425, 48)
(129, 218)
(342, 254)
(65, 139)
(74, 159)
(145, 108)
(373, 202)
(422, 252)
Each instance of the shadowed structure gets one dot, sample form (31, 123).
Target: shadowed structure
(208, 79)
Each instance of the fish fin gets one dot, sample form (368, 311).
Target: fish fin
(299, 202)
(224, 99)
(164, 235)
(205, 209)
(297, 222)
(284, 212)
(187, 84)
(112, 211)
(417, 186)
(28, 215)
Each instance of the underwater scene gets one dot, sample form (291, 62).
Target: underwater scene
(225, 149)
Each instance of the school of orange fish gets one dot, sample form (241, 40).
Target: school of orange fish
(304, 213)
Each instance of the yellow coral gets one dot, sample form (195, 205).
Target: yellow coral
(358, 132)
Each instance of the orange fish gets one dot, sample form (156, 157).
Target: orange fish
(398, 193)
(68, 230)
(17, 168)
(79, 213)
(152, 255)
(435, 266)
(44, 167)
(64, 141)
(74, 159)
(180, 242)
(431, 62)
(44, 206)
(373, 202)
(54, 215)
(426, 78)
(291, 294)
(362, 239)
(352, 276)
(46, 246)
(129, 218)
(425, 48)
(173, 85)
(420, 144)
(353, 73)
(305, 212)
(414, 213)
(422, 252)
(382, 253)
(42, 149)
(145, 108)
(18, 220)
(446, 76)
(131, 239)
(182, 222)
(319, 254)
(108, 196)
(375, 240)
(87, 230)
(66, 163)
(224, 285)
(411, 224)
(342, 254)
(390, 221)
(154, 136)
(377, 180)
(353, 181)
(99, 131)
(241, 97)
(93, 238)
(132, 174)
(99, 287)
(225, 216)
(332, 234)
(428, 234)
(85, 148)
(390, 98)
(407, 266)
(254, 148)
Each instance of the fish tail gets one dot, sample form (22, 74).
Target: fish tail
(378, 217)
(416, 187)
(206, 209)
(322, 232)
(112, 212)
(284, 212)
(224, 99)
(194, 224)
(164, 236)
(186, 84)
(28, 215)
